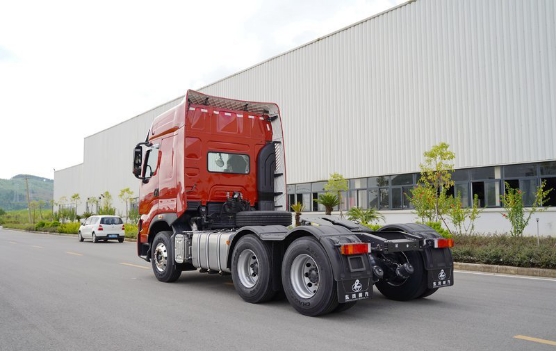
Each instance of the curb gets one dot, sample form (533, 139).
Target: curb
(508, 270)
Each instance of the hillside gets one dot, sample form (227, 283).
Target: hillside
(13, 192)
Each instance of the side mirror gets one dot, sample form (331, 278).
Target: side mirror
(138, 161)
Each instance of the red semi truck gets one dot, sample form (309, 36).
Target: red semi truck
(213, 199)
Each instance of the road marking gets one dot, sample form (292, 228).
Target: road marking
(136, 266)
(533, 339)
(36, 246)
(13, 242)
(73, 253)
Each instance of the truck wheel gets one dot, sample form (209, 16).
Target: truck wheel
(307, 278)
(410, 288)
(251, 270)
(162, 258)
(263, 217)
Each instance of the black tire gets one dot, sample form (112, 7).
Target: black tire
(428, 292)
(80, 237)
(251, 270)
(94, 239)
(162, 258)
(120, 240)
(307, 278)
(344, 306)
(263, 217)
(406, 289)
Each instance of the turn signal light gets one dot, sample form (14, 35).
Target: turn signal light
(355, 248)
(443, 243)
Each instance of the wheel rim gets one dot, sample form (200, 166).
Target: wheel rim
(304, 276)
(248, 268)
(160, 257)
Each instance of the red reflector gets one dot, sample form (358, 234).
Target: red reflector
(355, 248)
(444, 243)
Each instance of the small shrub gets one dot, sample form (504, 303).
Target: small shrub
(131, 231)
(70, 228)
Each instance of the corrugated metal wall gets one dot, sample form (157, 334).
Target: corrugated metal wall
(107, 161)
(368, 100)
(371, 98)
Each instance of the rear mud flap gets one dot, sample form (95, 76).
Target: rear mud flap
(354, 290)
(442, 277)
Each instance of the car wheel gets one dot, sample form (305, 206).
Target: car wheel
(120, 240)
(80, 237)
(95, 240)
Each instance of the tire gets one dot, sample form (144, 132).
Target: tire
(162, 258)
(428, 292)
(263, 217)
(307, 278)
(251, 270)
(410, 288)
(120, 240)
(80, 237)
(94, 239)
(344, 306)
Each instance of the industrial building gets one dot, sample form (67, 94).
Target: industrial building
(368, 100)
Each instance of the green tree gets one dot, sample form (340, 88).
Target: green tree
(76, 200)
(336, 185)
(513, 202)
(106, 204)
(365, 216)
(429, 197)
(297, 208)
(329, 201)
(125, 195)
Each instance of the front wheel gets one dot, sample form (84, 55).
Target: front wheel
(80, 237)
(251, 270)
(307, 278)
(162, 258)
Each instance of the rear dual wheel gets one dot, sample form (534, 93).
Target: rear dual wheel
(415, 286)
(307, 278)
(251, 270)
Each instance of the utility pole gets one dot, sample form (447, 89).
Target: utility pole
(28, 201)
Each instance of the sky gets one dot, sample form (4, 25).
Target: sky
(70, 69)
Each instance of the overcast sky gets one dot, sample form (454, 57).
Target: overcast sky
(69, 69)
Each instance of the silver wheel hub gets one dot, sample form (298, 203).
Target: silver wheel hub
(160, 257)
(248, 268)
(304, 276)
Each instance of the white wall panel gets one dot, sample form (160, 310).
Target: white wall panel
(371, 98)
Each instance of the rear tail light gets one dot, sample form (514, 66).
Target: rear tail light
(123, 227)
(100, 228)
(443, 243)
(355, 248)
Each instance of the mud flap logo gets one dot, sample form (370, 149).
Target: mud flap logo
(353, 290)
(442, 276)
